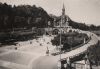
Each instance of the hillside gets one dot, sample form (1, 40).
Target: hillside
(27, 16)
(22, 16)
(83, 26)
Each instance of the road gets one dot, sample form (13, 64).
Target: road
(50, 62)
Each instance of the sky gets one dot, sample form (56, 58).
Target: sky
(85, 11)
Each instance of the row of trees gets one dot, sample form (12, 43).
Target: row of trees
(83, 26)
(22, 16)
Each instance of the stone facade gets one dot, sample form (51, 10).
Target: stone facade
(63, 22)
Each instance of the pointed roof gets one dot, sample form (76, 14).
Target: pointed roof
(63, 7)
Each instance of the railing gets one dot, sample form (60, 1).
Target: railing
(79, 45)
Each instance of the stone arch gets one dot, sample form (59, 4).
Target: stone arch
(55, 31)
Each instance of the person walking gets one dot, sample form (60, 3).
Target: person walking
(47, 52)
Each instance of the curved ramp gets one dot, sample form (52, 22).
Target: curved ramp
(50, 62)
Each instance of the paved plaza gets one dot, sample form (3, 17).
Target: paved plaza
(26, 52)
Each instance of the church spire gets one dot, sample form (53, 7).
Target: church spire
(63, 9)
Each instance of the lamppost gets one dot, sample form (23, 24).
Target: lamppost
(59, 62)
(47, 52)
(60, 43)
(60, 38)
(48, 26)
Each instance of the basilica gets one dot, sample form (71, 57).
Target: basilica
(60, 25)
(63, 22)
